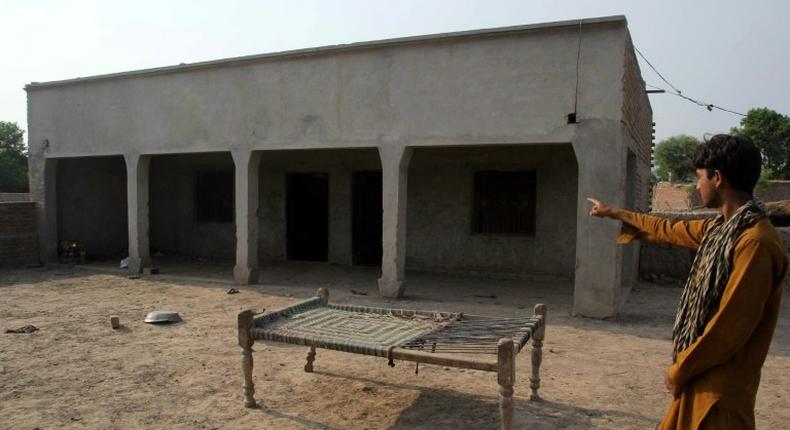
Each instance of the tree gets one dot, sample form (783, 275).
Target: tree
(13, 159)
(762, 182)
(770, 132)
(674, 158)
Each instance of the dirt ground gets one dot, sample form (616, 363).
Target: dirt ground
(76, 372)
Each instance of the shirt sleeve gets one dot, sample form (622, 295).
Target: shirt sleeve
(686, 234)
(740, 311)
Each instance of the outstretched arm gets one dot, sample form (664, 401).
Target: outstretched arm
(636, 226)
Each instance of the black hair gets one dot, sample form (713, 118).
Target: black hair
(735, 157)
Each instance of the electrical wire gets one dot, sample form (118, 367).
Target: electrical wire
(578, 56)
(655, 70)
(678, 93)
(708, 106)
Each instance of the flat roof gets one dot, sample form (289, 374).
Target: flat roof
(329, 49)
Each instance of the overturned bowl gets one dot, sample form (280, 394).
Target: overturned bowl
(159, 317)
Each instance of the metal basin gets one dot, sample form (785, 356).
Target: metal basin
(162, 317)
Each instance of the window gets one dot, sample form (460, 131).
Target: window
(504, 203)
(214, 199)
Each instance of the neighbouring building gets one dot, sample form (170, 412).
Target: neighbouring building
(18, 243)
(460, 152)
(672, 197)
(669, 197)
(774, 191)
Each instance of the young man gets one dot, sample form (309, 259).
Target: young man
(730, 303)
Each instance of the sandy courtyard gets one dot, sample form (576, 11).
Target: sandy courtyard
(76, 372)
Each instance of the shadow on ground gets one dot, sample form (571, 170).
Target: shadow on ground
(445, 409)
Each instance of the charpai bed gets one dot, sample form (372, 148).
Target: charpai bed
(441, 338)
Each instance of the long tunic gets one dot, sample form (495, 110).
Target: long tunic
(720, 371)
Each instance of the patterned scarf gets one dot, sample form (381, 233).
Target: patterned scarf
(709, 275)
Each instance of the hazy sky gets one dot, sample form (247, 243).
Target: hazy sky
(735, 54)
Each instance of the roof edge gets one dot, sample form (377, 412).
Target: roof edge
(327, 49)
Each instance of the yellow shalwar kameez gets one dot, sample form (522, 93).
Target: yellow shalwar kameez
(720, 371)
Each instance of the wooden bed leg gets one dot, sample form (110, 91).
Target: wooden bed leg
(310, 359)
(245, 342)
(323, 293)
(537, 352)
(506, 377)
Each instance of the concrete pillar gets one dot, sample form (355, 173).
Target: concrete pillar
(137, 180)
(48, 213)
(340, 215)
(247, 166)
(394, 174)
(601, 160)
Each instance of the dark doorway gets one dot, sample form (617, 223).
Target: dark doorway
(91, 208)
(366, 216)
(307, 212)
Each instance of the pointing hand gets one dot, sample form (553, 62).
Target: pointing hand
(599, 209)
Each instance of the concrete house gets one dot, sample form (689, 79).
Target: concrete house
(469, 152)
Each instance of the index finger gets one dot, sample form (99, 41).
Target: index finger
(593, 201)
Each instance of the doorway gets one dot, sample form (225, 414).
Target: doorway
(366, 218)
(307, 216)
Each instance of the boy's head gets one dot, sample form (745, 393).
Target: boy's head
(726, 161)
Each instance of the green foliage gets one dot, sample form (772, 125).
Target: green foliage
(13, 159)
(674, 156)
(11, 137)
(762, 182)
(770, 132)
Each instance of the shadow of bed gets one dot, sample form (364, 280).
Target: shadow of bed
(436, 408)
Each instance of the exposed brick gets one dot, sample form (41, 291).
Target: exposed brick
(775, 191)
(637, 117)
(18, 243)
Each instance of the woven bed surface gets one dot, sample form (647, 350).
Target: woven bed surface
(475, 336)
(373, 331)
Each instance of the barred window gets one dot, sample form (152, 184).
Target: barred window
(214, 198)
(504, 203)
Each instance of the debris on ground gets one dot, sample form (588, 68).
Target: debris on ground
(486, 296)
(359, 293)
(25, 329)
(232, 291)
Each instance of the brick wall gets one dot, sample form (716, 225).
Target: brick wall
(676, 197)
(638, 122)
(14, 197)
(670, 197)
(775, 191)
(637, 114)
(664, 264)
(18, 242)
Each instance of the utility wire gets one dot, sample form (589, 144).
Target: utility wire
(578, 56)
(656, 70)
(678, 93)
(708, 106)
